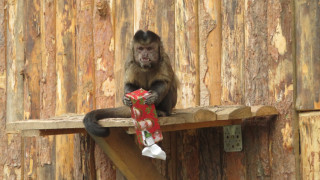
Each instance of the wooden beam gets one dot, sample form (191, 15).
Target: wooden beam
(126, 155)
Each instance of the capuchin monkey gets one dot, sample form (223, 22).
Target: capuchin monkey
(147, 67)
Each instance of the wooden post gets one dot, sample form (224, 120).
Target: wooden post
(15, 70)
(66, 84)
(307, 54)
(105, 82)
(210, 31)
(85, 76)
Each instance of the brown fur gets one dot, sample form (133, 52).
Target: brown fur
(157, 77)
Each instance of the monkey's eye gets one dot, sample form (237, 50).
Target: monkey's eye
(149, 48)
(140, 48)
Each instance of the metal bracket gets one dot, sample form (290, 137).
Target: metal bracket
(232, 138)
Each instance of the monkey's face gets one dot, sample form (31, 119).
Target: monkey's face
(146, 55)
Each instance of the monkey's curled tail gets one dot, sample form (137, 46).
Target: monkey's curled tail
(91, 119)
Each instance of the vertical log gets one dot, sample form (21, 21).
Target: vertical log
(232, 76)
(48, 81)
(210, 52)
(3, 79)
(66, 84)
(232, 61)
(85, 98)
(307, 15)
(310, 146)
(158, 16)
(31, 82)
(123, 36)
(210, 27)
(187, 70)
(269, 80)
(14, 91)
(105, 85)
(280, 85)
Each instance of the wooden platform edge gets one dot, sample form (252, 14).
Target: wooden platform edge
(190, 118)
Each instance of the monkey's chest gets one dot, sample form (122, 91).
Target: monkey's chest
(144, 80)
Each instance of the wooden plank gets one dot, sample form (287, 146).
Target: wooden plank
(15, 61)
(14, 86)
(45, 145)
(31, 83)
(232, 60)
(258, 111)
(123, 36)
(124, 18)
(210, 42)
(105, 82)
(187, 70)
(3, 88)
(307, 54)
(210, 31)
(310, 146)
(126, 155)
(85, 83)
(232, 76)
(179, 116)
(66, 85)
(269, 81)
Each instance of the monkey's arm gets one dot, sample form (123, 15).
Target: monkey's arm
(128, 88)
(158, 90)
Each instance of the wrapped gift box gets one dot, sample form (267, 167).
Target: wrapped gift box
(145, 117)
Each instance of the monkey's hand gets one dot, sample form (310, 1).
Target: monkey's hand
(126, 101)
(152, 98)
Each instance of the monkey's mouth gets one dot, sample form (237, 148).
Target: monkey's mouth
(145, 63)
(145, 60)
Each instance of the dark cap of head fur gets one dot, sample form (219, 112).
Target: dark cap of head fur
(145, 37)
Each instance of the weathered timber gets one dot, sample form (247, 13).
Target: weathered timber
(307, 54)
(123, 151)
(310, 146)
(104, 79)
(189, 118)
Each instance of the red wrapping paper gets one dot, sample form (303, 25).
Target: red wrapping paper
(145, 116)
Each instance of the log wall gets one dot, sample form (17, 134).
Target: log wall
(59, 56)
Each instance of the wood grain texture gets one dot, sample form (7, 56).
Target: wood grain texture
(3, 88)
(48, 79)
(210, 31)
(105, 82)
(66, 97)
(32, 67)
(85, 83)
(15, 61)
(232, 76)
(187, 71)
(307, 54)
(123, 36)
(14, 86)
(269, 81)
(232, 62)
(309, 135)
